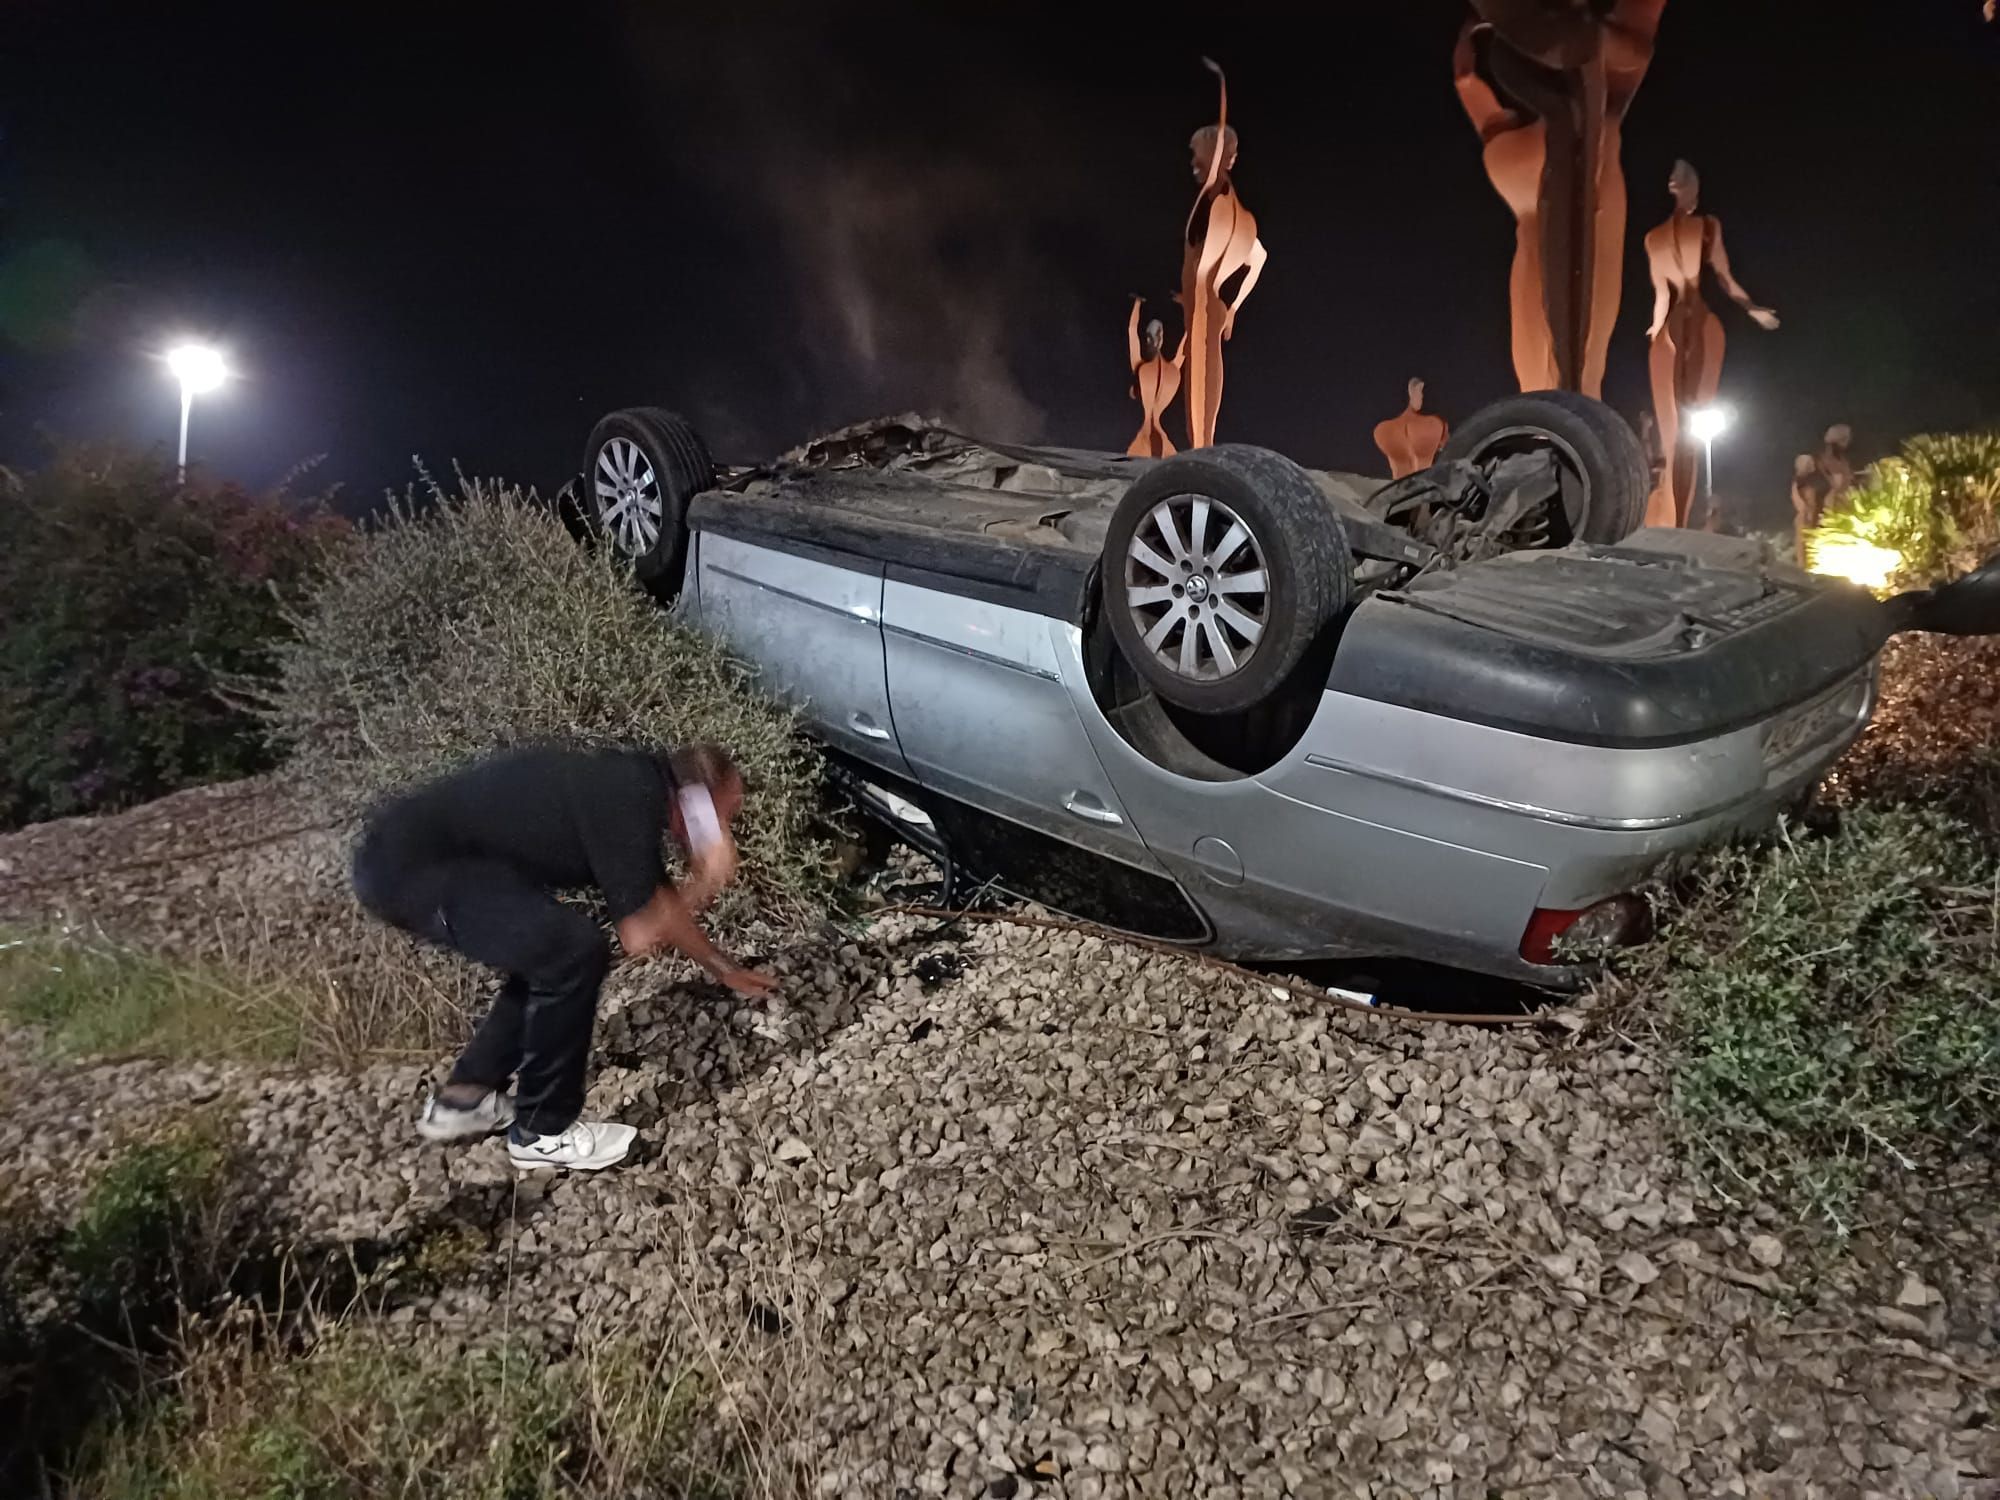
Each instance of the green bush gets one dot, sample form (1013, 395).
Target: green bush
(478, 623)
(1830, 1008)
(155, 1238)
(125, 600)
(1926, 516)
(148, 1224)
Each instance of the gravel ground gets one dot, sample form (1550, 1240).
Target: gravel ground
(1079, 1210)
(1939, 711)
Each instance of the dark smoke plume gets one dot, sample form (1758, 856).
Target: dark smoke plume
(910, 256)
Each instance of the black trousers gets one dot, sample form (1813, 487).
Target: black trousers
(538, 1027)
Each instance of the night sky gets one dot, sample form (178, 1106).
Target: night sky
(431, 229)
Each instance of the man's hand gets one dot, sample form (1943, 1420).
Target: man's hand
(749, 983)
(667, 922)
(708, 874)
(699, 891)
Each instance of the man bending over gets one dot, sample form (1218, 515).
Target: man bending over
(472, 862)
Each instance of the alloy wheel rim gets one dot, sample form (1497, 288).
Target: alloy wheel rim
(628, 496)
(1196, 588)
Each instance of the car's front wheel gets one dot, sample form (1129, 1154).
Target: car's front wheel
(641, 468)
(1221, 568)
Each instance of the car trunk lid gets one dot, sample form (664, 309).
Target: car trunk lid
(1606, 603)
(1670, 638)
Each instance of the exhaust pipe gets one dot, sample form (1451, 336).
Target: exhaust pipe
(1965, 606)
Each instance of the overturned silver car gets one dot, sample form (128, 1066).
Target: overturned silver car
(1223, 701)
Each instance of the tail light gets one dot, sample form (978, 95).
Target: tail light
(1618, 922)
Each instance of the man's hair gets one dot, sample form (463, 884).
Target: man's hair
(703, 765)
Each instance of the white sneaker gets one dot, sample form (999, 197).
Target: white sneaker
(587, 1146)
(449, 1122)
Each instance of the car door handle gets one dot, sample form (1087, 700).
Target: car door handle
(1088, 808)
(866, 727)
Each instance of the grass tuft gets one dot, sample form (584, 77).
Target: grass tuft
(147, 1224)
(361, 1415)
(91, 997)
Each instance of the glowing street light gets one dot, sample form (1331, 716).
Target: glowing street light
(1705, 425)
(200, 369)
(1708, 423)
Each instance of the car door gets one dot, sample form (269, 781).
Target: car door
(810, 621)
(983, 717)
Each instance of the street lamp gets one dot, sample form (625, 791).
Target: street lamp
(1705, 425)
(200, 369)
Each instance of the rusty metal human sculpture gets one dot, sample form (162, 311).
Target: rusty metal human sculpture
(1220, 242)
(1835, 464)
(1687, 337)
(1547, 84)
(1809, 492)
(1411, 441)
(1156, 380)
(1649, 440)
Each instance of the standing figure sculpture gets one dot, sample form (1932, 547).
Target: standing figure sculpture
(1411, 441)
(1835, 465)
(1687, 336)
(1156, 380)
(1220, 242)
(1547, 84)
(1649, 440)
(1809, 491)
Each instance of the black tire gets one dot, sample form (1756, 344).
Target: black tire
(1606, 478)
(1295, 534)
(679, 469)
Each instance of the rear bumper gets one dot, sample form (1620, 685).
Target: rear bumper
(1468, 831)
(1796, 746)
(1468, 906)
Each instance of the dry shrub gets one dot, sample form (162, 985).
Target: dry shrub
(374, 992)
(344, 989)
(477, 623)
(756, 1323)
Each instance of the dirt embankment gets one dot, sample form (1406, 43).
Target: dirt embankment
(1080, 1210)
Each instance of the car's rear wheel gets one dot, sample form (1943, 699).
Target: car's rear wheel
(1602, 468)
(640, 469)
(1221, 568)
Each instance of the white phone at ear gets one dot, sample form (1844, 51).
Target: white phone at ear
(704, 829)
